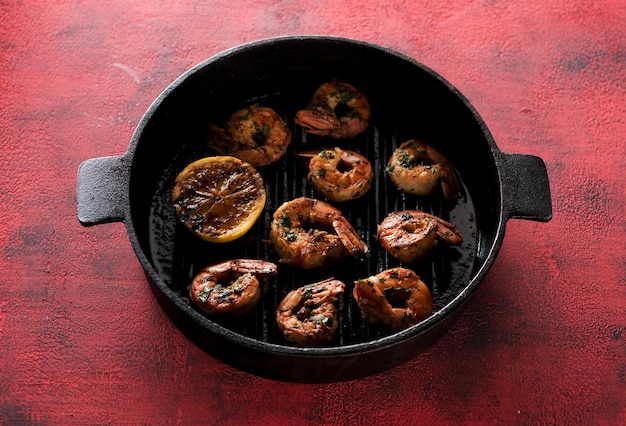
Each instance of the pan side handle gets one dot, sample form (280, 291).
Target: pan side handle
(525, 187)
(102, 190)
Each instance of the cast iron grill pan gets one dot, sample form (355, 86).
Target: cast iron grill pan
(408, 101)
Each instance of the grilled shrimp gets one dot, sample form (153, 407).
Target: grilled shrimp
(410, 235)
(396, 298)
(338, 174)
(230, 287)
(310, 233)
(418, 168)
(337, 109)
(307, 316)
(255, 134)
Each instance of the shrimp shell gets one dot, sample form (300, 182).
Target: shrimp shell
(230, 287)
(323, 115)
(307, 316)
(378, 298)
(340, 175)
(417, 168)
(409, 235)
(254, 134)
(310, 233)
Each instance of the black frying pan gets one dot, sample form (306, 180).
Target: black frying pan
(408, 101)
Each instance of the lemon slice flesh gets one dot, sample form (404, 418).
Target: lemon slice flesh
(219, 198)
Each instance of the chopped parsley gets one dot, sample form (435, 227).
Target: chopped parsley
(405, 160)
(345, 96)
(286, 222)
(308, 292)
(247, 115)
(204, 294)
(354, 114)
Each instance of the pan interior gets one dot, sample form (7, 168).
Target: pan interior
(407, 102)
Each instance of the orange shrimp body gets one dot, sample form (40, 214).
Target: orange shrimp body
(340, 175)
(409, 235)
(310, 233)
(307, 316)
(230, 287)
(337, 109)
(396, 298)
(255, 134)
(417, 168)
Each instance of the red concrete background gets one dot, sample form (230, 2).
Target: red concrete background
(82, 339)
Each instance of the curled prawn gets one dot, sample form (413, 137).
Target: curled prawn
(337, 109)
(307, 316)
(417, 168)
(230, 287)
(254, 134)
(397, 298)
(409, 235)
(310, 233)
(338, 174)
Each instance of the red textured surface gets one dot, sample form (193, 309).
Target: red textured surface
(82, 338)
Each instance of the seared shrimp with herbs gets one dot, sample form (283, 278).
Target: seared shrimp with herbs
(417, 168)
(231, 287)
(338, 174)
(307, 316)
(255, 134)
(397, 298)
(310, 233)
(410, 235)
(337, 109)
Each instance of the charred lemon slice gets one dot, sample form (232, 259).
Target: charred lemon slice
(219, 198)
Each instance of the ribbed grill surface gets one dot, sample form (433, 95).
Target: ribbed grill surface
(178, 256)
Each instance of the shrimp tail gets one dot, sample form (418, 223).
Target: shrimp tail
(447, 231)
(449, 183)
(259, 268)
(449, 234)
(326, 291)
(349, 238)
(316, 122)
(243, 266)
(305, 156)
(310, 154)
(372, 302)
(218, 139)
(449, 180)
